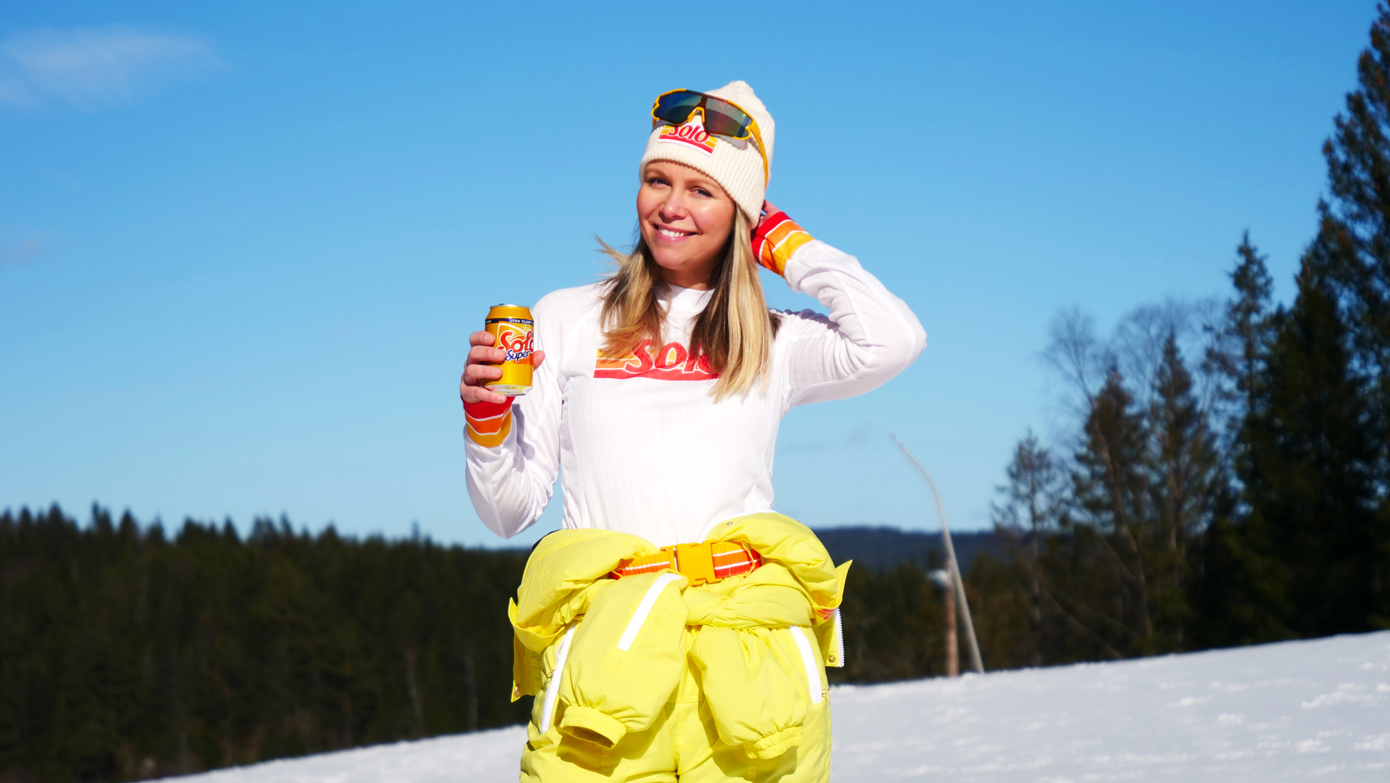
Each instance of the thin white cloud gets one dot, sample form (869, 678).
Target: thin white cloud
(90, 67)
(30, 247)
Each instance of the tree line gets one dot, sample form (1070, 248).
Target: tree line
(1226, 477)
(130, 653)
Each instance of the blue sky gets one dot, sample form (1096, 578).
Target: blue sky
(241, 245)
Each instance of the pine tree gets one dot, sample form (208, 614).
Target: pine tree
(1236, 570)
(1243, 348)
(1033, 502)
(1111, 490)
(1310, 551)
(1312, 458)
(1358, 162)
(1187, 483)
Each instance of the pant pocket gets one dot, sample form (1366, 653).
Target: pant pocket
(754, 681)
(625, 660)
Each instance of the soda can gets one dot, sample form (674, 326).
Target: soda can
(513, 330)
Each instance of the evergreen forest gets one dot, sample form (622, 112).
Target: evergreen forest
(1221, 477)
(1224, 476)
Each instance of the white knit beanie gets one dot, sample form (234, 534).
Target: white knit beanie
(735, 165)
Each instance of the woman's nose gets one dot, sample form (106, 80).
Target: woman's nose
(673, 207)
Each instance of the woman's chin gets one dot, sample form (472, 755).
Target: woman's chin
(671, 271)
(669, 261)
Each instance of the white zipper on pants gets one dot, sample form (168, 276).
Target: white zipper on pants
(552, 689)
(809, 659)
(643, 609)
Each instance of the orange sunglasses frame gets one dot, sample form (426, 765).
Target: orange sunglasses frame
(752, 123)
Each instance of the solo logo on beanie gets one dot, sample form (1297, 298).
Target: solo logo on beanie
(691, 134)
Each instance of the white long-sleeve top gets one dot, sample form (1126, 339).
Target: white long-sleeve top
(639, 443)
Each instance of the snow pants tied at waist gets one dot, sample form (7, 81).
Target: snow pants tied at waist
(652, 678)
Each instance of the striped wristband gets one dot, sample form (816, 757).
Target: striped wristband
(776, 239)
(488, 422)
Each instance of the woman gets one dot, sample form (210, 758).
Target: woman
(659, 392)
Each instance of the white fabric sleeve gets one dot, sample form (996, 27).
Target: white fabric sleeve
(511, 483)
(869, 336)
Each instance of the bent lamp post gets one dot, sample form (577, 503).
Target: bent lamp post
(975, 662)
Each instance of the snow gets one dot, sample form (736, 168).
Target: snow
(1313, 710)
(1293, 711)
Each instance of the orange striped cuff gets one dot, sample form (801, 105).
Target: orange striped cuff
(776, 240)
(488, 422)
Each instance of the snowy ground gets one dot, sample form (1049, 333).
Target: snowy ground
(1316, 710)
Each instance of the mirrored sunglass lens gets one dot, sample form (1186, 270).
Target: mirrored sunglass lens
(722, 119)
(676, 107)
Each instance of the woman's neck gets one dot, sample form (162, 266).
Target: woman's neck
(682, 279)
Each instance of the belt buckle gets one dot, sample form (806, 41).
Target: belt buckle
(696, 562)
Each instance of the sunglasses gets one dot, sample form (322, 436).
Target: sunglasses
(721, 117)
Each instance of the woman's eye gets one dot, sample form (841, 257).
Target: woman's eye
(702, 192)
(654, 181)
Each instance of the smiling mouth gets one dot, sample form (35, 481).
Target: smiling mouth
(671, 233)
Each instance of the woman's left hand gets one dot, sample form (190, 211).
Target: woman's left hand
(770, 254)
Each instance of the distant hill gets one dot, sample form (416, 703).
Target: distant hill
(883, 548)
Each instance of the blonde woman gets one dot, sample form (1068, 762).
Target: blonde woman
(676, 628)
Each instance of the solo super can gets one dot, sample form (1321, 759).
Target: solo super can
(513, 330)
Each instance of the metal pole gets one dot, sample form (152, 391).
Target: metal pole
(951, 563)
(943, 578)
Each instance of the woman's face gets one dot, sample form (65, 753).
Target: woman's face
(686, 219)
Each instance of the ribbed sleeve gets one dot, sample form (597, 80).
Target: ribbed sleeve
(869, 336)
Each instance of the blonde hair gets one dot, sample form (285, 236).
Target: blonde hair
(734, 331)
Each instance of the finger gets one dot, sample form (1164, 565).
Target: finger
(482, 338)
(480, 394)
(768, 211)
(537, 357)
(482, 354)
(477, 374)
(482, 372)
(485, 354)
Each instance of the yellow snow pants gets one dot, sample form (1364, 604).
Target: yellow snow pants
(651, 678)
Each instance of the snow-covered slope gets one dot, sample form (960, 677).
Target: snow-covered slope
(1293, 711)
(1317, 710)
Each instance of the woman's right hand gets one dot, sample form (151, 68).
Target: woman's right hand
(773, 253)
(482, 366)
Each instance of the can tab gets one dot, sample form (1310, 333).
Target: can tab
(696, 562)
